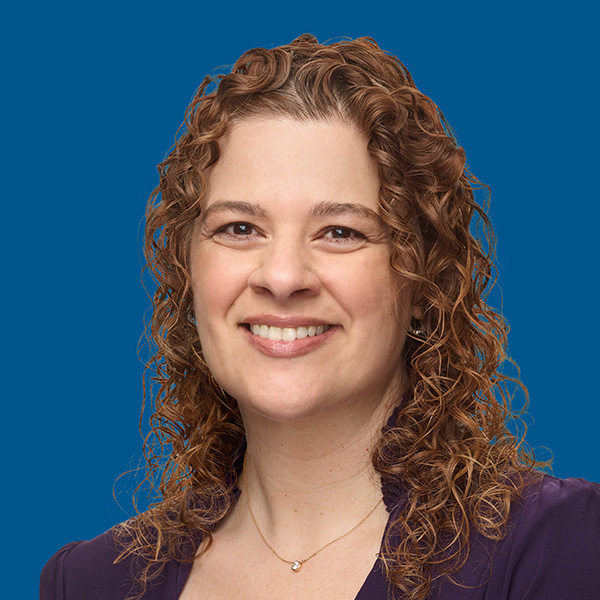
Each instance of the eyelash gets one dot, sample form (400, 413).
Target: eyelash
(353, 233)
(224, 229)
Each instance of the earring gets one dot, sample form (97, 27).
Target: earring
(416, 330)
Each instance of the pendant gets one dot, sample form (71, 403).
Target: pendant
(296, 566)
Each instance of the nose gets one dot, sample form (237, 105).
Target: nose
(285, 270)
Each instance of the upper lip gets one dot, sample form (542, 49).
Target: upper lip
(281, 321)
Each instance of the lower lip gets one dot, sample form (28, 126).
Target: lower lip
(297, 347)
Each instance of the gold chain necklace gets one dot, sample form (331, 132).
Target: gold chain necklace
(297, 564)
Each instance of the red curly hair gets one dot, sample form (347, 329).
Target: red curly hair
(450, 446)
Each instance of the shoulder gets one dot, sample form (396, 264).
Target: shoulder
(553, 492)
(87, 570)
(556, 510)
(552, 546)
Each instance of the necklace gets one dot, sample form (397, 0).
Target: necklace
(296, 565)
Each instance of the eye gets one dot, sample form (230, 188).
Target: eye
(340, 233)
(237, 234)
(343, 233)
(239, 230)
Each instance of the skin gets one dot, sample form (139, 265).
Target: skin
(291, 237)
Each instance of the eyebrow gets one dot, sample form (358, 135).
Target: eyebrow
(245, 208)
(334, 209)
(321, 209)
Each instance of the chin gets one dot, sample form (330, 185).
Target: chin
(282, 408)
(287, 402)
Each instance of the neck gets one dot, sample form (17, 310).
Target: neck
(312, 481)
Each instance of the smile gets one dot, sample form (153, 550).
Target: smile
(287, 334)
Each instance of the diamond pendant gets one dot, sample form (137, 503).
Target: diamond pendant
(296, 566)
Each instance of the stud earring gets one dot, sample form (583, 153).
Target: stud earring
(416, 330)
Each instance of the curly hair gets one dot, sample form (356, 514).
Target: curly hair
(450, 446)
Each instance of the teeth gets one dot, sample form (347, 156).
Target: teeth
(287, 334)
(275, 334)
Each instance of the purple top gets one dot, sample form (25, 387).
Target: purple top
(551, 552)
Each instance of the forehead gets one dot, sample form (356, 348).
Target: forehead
(314, 161)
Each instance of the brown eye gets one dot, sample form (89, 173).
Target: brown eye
(237, 233)
(341, 233)
(241, 229)
(236, 230)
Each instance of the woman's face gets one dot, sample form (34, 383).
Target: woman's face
(297, 308)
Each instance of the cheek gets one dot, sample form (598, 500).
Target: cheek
(218, 281)
(371, 289)
(211, 292)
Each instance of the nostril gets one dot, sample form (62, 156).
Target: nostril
(284, 274)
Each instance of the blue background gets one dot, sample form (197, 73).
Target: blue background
(94, 93)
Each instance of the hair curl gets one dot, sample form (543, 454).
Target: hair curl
(459, 462)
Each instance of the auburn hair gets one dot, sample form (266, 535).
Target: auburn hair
(450, 446)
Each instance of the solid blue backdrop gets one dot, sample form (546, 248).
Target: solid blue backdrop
(94, 93)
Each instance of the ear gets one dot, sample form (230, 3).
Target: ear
(417, 311)
(417, 300)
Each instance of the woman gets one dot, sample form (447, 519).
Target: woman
(330, 403)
